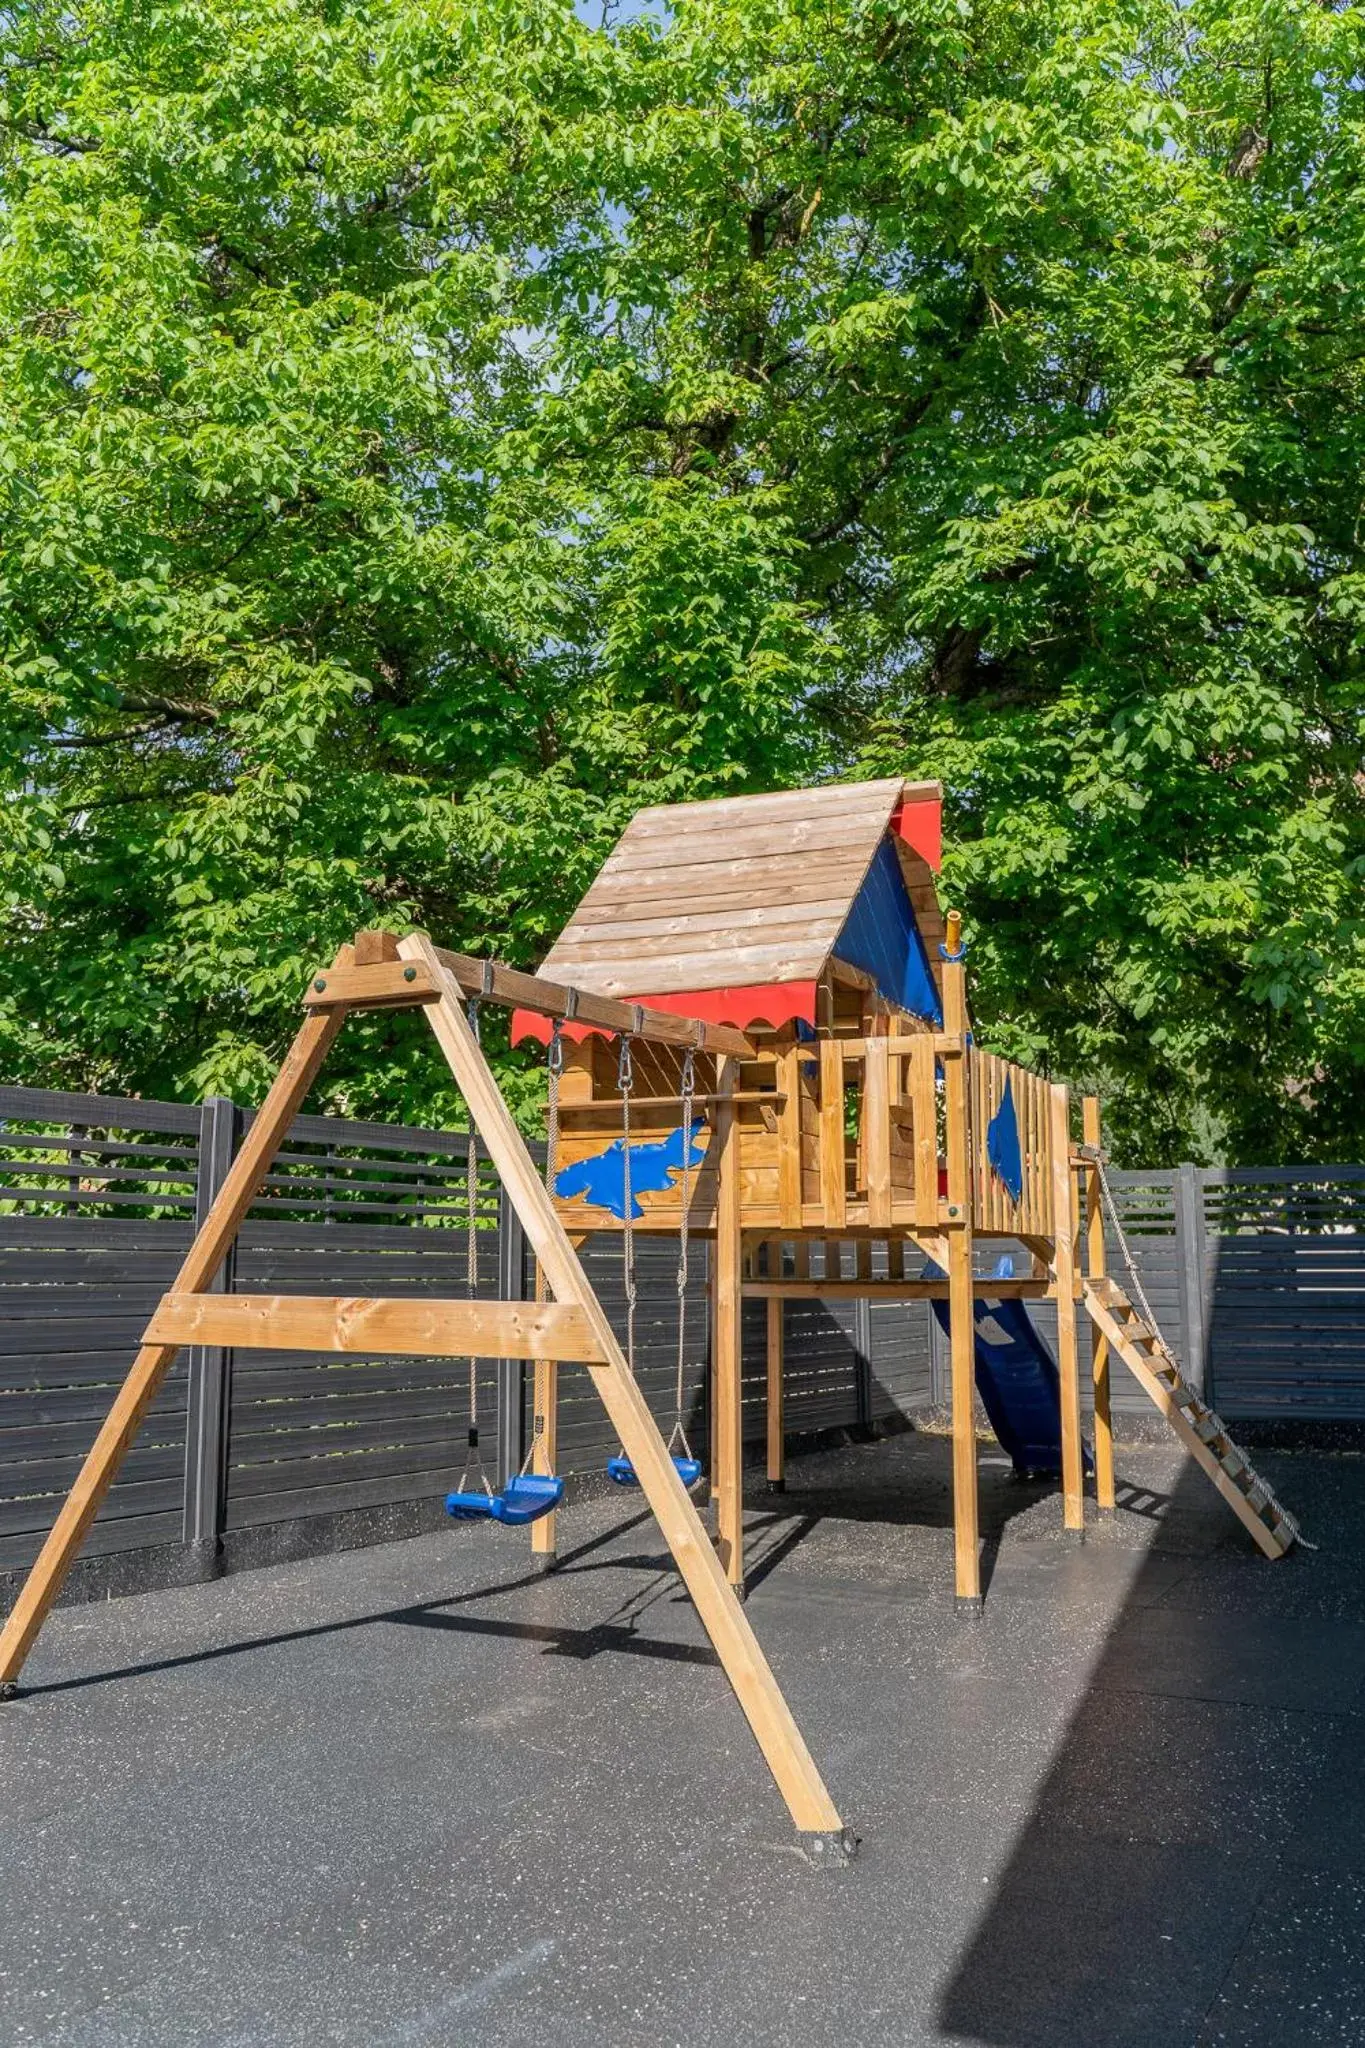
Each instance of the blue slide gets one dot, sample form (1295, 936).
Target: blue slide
(1016, 1376)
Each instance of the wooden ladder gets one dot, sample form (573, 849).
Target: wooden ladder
(1203, 1433)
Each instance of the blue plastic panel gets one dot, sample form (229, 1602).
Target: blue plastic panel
(1002, 1144)
(880, 936)
(602, 1178)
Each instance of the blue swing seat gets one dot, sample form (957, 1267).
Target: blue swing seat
(622, 1471)
(524, 1499)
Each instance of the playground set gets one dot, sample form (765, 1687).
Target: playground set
(757, 1035)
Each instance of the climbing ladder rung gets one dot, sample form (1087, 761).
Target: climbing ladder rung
(1156, 1371)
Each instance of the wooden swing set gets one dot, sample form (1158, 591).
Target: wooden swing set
(798, 1082)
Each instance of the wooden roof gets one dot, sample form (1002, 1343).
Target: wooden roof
(729, 894)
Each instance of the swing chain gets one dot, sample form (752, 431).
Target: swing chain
(625, 1081)
(473, 1455)
(554, 1067)
(689, 1086)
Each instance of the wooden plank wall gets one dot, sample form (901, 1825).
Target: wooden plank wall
(993, 1208)
(94, 1222)
(96, 1211)
(1284, 1291)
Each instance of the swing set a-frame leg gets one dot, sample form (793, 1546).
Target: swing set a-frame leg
(768, 1714)
(153, 1361)
(722, 1616)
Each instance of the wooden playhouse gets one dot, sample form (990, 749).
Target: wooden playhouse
(758, 1033)
(863, 1146)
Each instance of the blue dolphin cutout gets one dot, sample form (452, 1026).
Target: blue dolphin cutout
(603, 1180)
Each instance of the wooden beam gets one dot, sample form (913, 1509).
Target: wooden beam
(1099, 1343)
(789, 1136)
(1064, 1274)
(153, 1361)
(382, 985)
(877, 1133)
(887, 1290)
(371, 947)
(495, 983)
(419, 1328)
(724, 1620)
(961, 1309)
(833, 1179)
(742, 1097)
(962, 1368)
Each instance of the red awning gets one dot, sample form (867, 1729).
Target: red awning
(772, 1003)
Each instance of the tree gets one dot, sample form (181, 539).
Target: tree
(430, 432)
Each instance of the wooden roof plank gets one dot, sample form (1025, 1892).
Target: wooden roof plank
(803, 836)
(772, 879)
(829, 800)
(727, 924)
(733, 891)
(628, 977)
(716, 936)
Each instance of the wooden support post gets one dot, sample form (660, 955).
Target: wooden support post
(726, 1361)
(1064, 1275)
(962, 1330)
(777, 1447)
(1099, 1343)
(768, 1714)
(877, 1132)
(789, 1138)
(545, 1449)
(154, 1360)
(833, 1179)
(925, 1105)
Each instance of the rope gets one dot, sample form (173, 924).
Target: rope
(1138, 1294)
(625, 1081)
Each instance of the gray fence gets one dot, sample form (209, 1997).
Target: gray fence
(1257, 1275)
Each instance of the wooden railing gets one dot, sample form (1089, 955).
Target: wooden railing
(994, 1209)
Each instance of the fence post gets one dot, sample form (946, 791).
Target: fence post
(511, 1371)
(938, 1362)
(210, 1365)
(862, 1363)
(1189, 1255)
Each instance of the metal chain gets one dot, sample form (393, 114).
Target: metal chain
(554, 1067)
(473, 1454)
(689, 1085)
(625, 1081)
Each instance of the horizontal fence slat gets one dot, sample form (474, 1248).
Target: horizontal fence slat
(96, 1203)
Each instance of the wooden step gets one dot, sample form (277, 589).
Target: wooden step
(1204, 1433)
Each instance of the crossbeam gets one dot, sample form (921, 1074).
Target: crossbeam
(495, 983)
(423, 1328)
(890, 1290)
(393, 983)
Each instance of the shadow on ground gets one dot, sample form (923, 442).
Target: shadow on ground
(1193, 1866)
(405, 1795)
